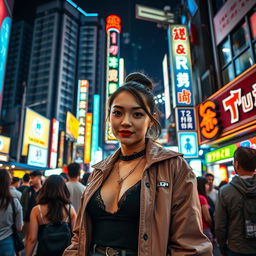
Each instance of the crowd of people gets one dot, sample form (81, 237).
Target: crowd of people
(45, 209)
(142, 200)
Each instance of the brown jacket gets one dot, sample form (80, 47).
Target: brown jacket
(170, 214)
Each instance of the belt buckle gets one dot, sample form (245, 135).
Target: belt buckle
(111, 252)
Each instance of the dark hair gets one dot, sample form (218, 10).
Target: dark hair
(85, 178)
(246, 158)
(5, 194)
(64, 176)
(140, 86)
(15, 180)
(209, 175)
(56, 195)
(74, 170)
(26, 177)
(222, 183)
(201, 182)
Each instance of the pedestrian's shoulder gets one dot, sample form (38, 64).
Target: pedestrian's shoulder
(17, 203)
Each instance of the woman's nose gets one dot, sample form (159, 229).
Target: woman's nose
(126, 120)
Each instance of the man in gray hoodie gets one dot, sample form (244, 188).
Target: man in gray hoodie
(229, 214)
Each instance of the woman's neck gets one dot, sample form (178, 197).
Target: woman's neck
(129, 150)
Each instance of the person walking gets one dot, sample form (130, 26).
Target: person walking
(25, 183)
(212, 192)
(142, 200)
(51, 220)
(75, 187)
(206, 217)
(235, 200)
(8, 204)
(28, 198)
(15, 183)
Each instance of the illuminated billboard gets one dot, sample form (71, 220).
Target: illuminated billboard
(72, 126)
(166, 87)
(5, 31)
(37, 156)
(113, 29)
(88, 138)
(36, 131)
(181, 66)
(82, 107)
(54, 137)
(95, 127)
(4, 144)
(229, 112)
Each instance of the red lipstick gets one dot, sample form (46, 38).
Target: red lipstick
(125, 133)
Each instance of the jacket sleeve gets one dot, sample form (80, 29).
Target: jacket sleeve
(221, 219)
(185, 235)
(73, 249)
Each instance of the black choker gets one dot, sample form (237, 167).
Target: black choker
(133, 156)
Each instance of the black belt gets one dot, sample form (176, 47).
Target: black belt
(109, 251)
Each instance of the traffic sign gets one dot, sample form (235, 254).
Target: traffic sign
(155, 15)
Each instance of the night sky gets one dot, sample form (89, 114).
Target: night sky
(143, 45)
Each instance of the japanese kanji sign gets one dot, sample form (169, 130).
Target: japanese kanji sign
(231, 110)
(185, 119)
(82, 106)
(113, 28)
(181, 66)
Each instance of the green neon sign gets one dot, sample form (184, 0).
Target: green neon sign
(220, 154)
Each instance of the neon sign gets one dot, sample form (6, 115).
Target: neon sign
(232, 103)
(181, 65)
(209, 125)
(113, 22)
(113, 29)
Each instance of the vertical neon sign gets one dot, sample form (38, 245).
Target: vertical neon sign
(82, 108)
(88, 138)
(95, 126)
(5, 31)
(181, 66)
(113, 29)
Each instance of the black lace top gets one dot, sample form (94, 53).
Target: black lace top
(119, 229)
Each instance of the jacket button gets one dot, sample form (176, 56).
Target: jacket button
(145, 237)
(148, 185)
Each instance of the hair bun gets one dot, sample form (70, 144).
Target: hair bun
(141, 79)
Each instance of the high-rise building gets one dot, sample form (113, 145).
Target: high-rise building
(64, 50)
(17, 67)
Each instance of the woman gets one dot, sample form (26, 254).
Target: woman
(53, 214)
(6, 215)
(142, 199)
(206, 217)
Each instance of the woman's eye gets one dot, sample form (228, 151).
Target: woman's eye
(116, 113)
(138, 114)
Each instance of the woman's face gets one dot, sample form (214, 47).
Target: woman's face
(128, 120)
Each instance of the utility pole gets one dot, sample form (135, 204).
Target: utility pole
(23, 104)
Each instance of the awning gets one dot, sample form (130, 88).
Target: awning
(20, 166)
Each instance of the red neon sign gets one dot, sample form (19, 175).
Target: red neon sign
(113, 22)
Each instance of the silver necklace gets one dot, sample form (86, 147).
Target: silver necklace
(121, 179)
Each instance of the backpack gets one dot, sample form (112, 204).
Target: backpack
(248, 214)
(55, 237)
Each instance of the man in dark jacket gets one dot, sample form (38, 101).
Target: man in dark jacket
(229, 215)
(28, 199)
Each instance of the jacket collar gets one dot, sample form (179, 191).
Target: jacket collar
(154, 153)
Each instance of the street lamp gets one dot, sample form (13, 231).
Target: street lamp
(23, 107)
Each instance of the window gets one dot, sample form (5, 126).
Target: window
(228, 74)
(253, 24)
(225, 52)
(237, 52)
(243, 62)
(240, 38)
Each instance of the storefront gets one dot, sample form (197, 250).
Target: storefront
(227, 120)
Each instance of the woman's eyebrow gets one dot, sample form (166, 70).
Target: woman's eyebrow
(134, 108)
